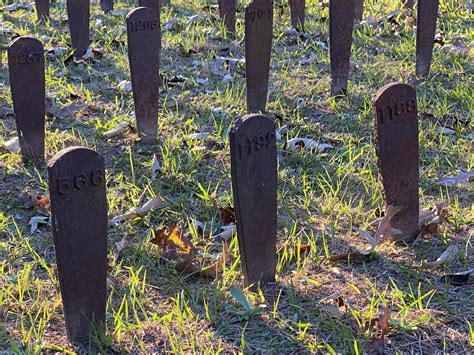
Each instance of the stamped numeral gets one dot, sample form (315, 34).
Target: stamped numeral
(79, 182)
(28, 58)
(260, 14)
(258, 143)
(398, 109)
(144, 25)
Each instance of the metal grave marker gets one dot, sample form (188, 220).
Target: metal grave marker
(425, 35)
(258, 49)
(227, 9)
(254, 185)
(144, 56)
(297, 12)
(341, 21)
(27, 82)
(396, 137)
(78, 12)
(42, 10)
(79, 219)
(152, 4)
(107, 5)
(358, 9)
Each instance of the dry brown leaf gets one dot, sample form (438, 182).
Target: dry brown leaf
(207, 270)
(227, 233)
(337, 309)
(447, 257)
(384, 230)
(173, 243)
(120, 246)
(227, 215)
(117, 130)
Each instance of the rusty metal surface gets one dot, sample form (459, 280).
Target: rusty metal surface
(341, 22)
(258, 49)
(27, 82)
(78, 12)
(425, 34)
(254, 185)
(107, 5)
(227, 9)
(297, 12)
(42, 9)
(396, 136)
(79, 221)
(144, 56)
(358, 9)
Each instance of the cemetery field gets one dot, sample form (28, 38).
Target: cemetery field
(332, 293)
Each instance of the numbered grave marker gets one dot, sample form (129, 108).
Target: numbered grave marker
(254, 185)
(107, 5)
(425, 34)
(297, 12)
(144, 56)
(341, 21)
(258, 49)
(79, 220)
(227, 9)
(396, 137)
(358, 9)
(42, 10)
(27, 82)
(78, 12)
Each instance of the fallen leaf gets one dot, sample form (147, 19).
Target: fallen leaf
(447, 257)
(198, 136)
(227, 233)
(125, 85)
(459, 278)
(34, 221)
(117, 130)
(431, 219)
(137, 212)
(6, 111)
(461, 178)
(156, 165)
(227, 215)
(173, 243)
(446, 131)
(308, 143)
(13, 145)
(207, 270)
(337, 309)
(120, 246)
(384, 230)
(71, 109)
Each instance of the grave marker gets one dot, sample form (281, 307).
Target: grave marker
(358, 9)
(42, 10)
(258, 49)
(254, 185)
(27, 82)
(297, 12)
(341, 21)
(143, 32)
(78, 12)
(425, 34)
(152, 4)
(227, 9)
(79, 220)
(396, 137)
(107, 5)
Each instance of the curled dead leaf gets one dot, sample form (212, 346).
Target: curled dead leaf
(117, 130)
(353, 256)
(137, 212)
(447, 257)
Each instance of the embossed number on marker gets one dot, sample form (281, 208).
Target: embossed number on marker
(258, 143)
(144, 25)
(80, 181)
(398, 110)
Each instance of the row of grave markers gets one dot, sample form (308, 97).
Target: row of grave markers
(77, 190)
(26, 62)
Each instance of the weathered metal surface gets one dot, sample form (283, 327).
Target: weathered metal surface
(254, 184)
(341, 22)
(107, 5)
(144, 56)
(396, 136)
(78, 12)
(258, 49)
(297, 13)
(425, 34)
(358, 9)
(27, 82)
(227, 9)
(79, 220)
(42, 9)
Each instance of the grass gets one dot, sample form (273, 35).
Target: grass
(154, 307)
